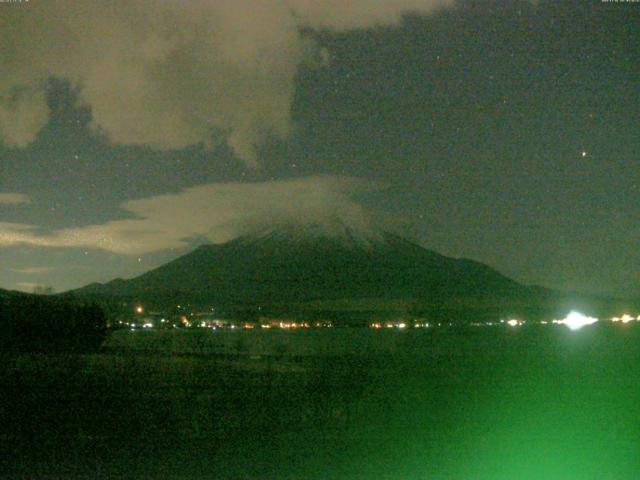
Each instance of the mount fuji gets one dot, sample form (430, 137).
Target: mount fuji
(315, 262)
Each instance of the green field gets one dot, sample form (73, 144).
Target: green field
(486, 404)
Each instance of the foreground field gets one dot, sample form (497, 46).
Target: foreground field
(457, 404)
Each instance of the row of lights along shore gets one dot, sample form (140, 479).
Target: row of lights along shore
(574, 321)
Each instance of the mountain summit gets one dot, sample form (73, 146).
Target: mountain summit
(333, 230)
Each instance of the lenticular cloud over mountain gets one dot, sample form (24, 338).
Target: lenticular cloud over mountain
(215, 212)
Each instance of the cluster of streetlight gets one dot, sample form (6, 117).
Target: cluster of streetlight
(626, 318)
(576, 320)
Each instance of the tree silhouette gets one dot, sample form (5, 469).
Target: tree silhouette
(38, 323)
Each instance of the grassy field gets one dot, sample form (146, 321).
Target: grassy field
(457, 404)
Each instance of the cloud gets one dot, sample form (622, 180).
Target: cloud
(353, 14)
(214, 212)
(170, 74)
(13, 198)
(33, 270)
(28, 286)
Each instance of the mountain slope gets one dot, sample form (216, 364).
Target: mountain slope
(296, 264)
(12, 294)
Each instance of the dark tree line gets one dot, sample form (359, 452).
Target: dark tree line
(44, 324)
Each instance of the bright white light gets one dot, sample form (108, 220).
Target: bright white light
(576, 320)
(401, 325)
(513, 323)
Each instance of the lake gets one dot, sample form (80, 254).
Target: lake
(538, 402)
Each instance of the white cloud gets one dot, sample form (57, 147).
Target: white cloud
(170, 74)
(216, 212)
(33, 270)
(13, 198)
(28, 286)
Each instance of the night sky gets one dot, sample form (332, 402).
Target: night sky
(507, 132)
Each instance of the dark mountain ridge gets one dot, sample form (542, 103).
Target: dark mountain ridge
(295, 264)
(329, 268)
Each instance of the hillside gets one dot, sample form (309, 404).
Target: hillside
(301, 265)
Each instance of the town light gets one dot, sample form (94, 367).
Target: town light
(576, 320)
(626, 318)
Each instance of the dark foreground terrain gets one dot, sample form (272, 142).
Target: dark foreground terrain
(486, 404)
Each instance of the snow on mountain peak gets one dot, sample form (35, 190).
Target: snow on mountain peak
(331, 228)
